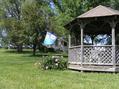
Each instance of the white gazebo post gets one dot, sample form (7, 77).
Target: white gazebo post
(113, 24)
(69, 40)
(82, 28)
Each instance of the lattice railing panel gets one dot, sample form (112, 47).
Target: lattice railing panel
(97, 54)
(117, 54)
(74, 54)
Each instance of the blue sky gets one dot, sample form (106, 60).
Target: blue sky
(52, 5)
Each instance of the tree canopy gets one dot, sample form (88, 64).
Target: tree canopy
(26, 19)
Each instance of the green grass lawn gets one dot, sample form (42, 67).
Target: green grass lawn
(17, 71)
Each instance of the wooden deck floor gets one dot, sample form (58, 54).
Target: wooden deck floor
(99, 68)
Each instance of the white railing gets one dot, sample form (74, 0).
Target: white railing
(97, 55)
(117, 55)
(92, 55)
(74, 55)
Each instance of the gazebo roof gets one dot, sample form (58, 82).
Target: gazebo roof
(99, 11)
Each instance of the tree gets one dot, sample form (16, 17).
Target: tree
(39, 17)
(34, 16)
(12, 18)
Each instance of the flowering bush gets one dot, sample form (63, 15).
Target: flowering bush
(54, 62)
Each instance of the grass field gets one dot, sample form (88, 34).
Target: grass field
(17, 71)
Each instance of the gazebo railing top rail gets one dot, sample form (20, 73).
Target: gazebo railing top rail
(93, 46)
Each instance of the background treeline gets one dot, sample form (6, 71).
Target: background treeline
(26, 21)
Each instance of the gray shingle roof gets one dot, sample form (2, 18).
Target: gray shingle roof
(99, 11)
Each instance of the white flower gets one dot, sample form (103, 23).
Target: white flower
(46, 67)
(53, 57)
(56, 64)
(56, 60)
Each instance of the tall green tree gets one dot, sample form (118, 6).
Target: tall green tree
(35, 18)
(12, 18)
(39, 17)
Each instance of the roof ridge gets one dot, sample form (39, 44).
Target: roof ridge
(89, 11)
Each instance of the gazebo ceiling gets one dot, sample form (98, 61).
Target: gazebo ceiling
(99, 11)
(97, 27)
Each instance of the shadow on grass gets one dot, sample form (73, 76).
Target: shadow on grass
(16, 63)
(46, 54)
(15, 52)
(38, 54)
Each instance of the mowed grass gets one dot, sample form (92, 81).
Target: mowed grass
(17, 71)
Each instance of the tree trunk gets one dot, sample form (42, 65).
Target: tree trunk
(34, 49)
(19, 48)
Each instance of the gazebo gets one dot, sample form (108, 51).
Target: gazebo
(90, 57)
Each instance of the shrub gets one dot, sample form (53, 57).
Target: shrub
(54, 62)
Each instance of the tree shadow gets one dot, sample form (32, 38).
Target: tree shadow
(29, 53)
(15, 52)
(46, 54)
(22, 54)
